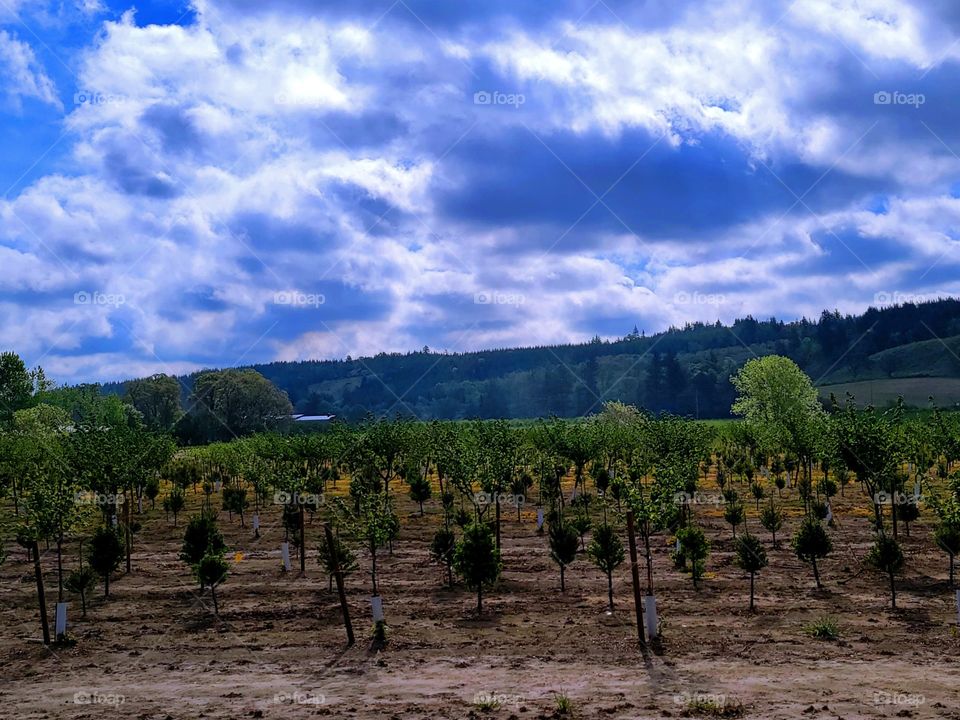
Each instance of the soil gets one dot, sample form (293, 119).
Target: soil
(154, 649)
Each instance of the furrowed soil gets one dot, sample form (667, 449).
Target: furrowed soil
(155, 650)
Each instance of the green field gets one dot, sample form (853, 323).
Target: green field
(916, 392)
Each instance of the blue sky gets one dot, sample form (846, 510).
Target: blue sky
(218, 182)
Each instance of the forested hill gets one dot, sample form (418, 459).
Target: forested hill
(683, 370)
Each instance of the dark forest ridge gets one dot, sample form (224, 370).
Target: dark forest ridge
(682, 370)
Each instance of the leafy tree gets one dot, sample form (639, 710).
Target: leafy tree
(338, 556)
(373, 523)
(16, 386)
(695, 548)
(812, 543)
(947, 536)
(886, 555)
(734, 514)
(476, 559)
(152, 490)
(174, 503)
(235, 501)
(201, 538)
(563, 546)
(442, 548)
(420, 490)
(771, 517)
(233, 403)
(158, 400)
(212, 571)
(756, 489)
(106, 552)
(606, 552)
(780, 406)
(751, 557)
(81, 582)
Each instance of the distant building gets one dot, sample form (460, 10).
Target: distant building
(311, 418)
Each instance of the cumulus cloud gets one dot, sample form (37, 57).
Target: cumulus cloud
(289, 180)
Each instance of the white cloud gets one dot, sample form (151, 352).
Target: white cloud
(22, 75)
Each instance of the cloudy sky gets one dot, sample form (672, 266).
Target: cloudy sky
(220, 182)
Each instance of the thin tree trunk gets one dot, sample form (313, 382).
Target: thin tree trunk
(213, 591)
(563, 587)
(610, 588)
(480, 599)
(816, 573)
(751, 592)
(893, 592)
(41, 596)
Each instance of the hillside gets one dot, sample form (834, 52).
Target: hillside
(683, 370)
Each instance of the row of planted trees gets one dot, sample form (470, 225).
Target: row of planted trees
(92, 479)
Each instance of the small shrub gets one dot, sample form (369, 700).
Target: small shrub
(563, 704)
(823, 628)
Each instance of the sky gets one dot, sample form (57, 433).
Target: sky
(213, 183)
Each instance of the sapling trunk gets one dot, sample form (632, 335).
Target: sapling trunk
(41, 596)
(751, 591)
(610, 588)
(563, 587)
(60, 566)
(303, 549)
(816, 574)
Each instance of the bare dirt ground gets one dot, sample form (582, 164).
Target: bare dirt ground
(155, 651)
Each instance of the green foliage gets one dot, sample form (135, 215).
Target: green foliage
(606, 549)
(105, 553)
(211, 571)
(734, 514)
(329, 558)
(695, 548)
(442, 548)
(202, 537)
(751, 555)
(476, 559)
(811, 543)
(232, 403)
(174, 503)
(771, 517)
(564, 542)
(157, 398)
(420, 490)
(823, 628)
